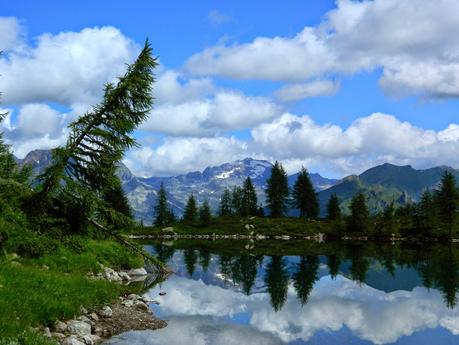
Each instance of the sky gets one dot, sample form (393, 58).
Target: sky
(335, 86)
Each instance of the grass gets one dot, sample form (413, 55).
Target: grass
(49, 282)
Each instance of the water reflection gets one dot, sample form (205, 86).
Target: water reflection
(354, 294)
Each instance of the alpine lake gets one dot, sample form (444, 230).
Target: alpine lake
(228, 292)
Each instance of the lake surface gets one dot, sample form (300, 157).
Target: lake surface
(304, 293)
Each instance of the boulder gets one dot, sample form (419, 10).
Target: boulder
(79, 328)
(124, 275)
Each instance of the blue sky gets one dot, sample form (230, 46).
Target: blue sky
(337, 86)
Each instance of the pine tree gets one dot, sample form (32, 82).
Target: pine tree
(190, 214)
(333, 209)
(277, 191)
(161, 209)
(249, 199)
(447, 199)
(360, 216)
(304, 196)
(205, 215)
(225, 203)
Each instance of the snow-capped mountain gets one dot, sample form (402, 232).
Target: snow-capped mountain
(208, 184)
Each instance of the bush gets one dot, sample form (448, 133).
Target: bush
(35, 246)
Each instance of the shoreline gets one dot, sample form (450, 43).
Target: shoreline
(130, 312)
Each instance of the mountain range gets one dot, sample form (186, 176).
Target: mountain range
(381, 185)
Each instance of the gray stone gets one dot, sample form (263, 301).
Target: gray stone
(128, 303)
(94, 316)
(91, 339)
(124, 275)
(79, 328)
(72, 340)
(106, 312)
(47, 332)
(133, 297)
(137, 272)
(58, 336)
(60, 327)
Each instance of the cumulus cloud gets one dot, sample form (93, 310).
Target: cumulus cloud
(67, 68)
(295, 92)
(182, 155)
(10, 33)
(226, 110)
(412, 41)
(368, 141)
(35, 126)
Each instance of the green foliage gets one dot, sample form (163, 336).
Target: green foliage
(236, 200)
(191, 211)
(359, 219)
(333, 209)
(161, 209)
(304, 196)
(115, 198)
(249, 201)
(277, 191)
(448, 199)
(225, 208)
(205, 215)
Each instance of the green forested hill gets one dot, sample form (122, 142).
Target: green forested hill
(385, 183)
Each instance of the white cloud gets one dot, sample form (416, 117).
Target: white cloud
(36, 126)
(368, 141)
(295, 92)
(412, 41)
(67, 68)
(182, 155)
(10, 33)
(226, 110)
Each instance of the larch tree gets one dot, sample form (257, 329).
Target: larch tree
(448, 199)
(205, 216)
(360, 216)
(225, 208)
(161, 208)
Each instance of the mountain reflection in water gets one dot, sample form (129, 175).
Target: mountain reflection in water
(314, 294)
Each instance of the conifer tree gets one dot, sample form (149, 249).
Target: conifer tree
(447, 199)
(249, 199)
(116, 198)
(277, 191)
(161, 209)
(360, 216)
(225, 203)
(205, 215)
(190, 214)
(96, 143)
(333, 209)
(304, 196)
(236, 200)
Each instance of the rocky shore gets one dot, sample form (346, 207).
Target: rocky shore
(131, 312)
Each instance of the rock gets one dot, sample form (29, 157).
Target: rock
(72, 340)
(94, 316)
(137, 272)
(145, 298)
(141, 306)
(60, 327)
(85, 319)
(168, 229)
(106, 312)
(124, 275)
(91, 339)
(162, 294)
(83, 310)
(111, 275)
(133, 297)
(128, 303)
(79, 328)
(47, 332)
(58, 336)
